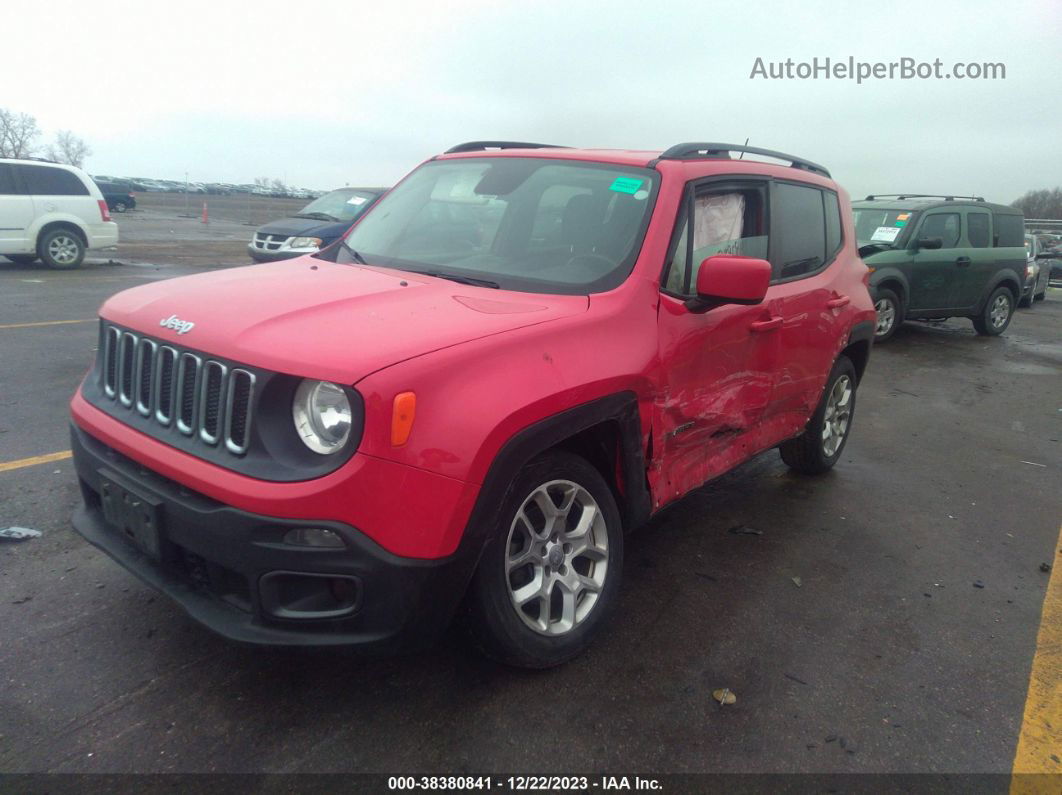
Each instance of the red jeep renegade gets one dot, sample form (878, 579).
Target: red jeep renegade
(519, 354)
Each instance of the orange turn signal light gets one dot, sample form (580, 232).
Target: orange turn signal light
(405, 409)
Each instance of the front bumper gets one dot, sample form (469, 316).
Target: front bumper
(221, 564)
(261, 255)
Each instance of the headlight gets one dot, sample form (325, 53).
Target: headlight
(322, 416)
(306, 242)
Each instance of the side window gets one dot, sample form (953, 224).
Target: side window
(729, 220)
(7, 181)
(1010, 230)
(680, 257)
(48, 181)
(942, 225)
(798, 231)
(978, 229)
(833, 223)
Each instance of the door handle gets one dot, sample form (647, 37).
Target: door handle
(838, 302)
(767, 325)
(963, 262)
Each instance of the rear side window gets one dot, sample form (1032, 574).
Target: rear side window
(48, 181)
(978, 229)
(1010, 230)
(942, 225)
(798, 231)
(7, 181)
(833, 223)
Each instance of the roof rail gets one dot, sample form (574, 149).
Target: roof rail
(476, 146)
(37, 159)
(875, 196)
(698, 151)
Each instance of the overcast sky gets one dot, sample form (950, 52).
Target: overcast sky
(322, 94)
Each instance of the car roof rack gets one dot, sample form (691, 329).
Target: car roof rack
(700, 151)
(947, 198)
(476, 146)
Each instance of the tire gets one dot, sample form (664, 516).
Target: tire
(890, 315)
(996, 315)
(22, 259)
(548, 629)
(813, 452)
(61, 249)
(120, 207)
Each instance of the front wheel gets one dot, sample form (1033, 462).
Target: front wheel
(890, 315)
(819, 447)
(996, 315)
(550, 575)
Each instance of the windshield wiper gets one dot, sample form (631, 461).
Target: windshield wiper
(454, 277)
(316, 216)
(353, 254)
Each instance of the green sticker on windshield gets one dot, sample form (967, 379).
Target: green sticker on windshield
(626, 185)
(901, 223)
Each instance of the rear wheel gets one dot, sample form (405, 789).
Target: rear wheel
(890, 315)
(819, 447)
(549, 577)
(996, 315)
(120, 207)
(61, 249)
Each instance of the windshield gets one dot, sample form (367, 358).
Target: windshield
(875, 225)
(339, 205)
(532, 224)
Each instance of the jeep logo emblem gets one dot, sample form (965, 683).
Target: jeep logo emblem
(178, 325)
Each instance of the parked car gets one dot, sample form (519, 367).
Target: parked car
(317, 225)
(119, 197)
(941, 256)
(519, 354)
(51, 212)
(1037, 272)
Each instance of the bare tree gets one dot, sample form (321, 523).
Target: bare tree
(278, 186)
(1041, 204)
(18, 131)
(69, 149)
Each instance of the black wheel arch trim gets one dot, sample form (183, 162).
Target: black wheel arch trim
(540, 436)
(1004, 277)
(881, 278)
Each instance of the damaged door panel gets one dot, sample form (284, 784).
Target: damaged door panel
(716, 387)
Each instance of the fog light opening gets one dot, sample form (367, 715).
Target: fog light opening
(317, 537)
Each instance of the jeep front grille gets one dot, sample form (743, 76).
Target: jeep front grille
(200, 396)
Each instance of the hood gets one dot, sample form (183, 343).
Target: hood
(302, 227)
(322, 320)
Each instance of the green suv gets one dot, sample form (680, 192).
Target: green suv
(940, 257)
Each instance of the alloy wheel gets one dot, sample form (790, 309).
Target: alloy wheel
(1000, 311)
(886, 316)
(557, 557)
(63, 249)
(838, 413)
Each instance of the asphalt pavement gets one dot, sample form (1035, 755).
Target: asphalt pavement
(881, 618)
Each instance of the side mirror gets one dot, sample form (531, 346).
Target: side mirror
(929, 242)
(729, 279)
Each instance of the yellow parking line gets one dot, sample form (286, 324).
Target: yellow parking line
(37, 459)
(1040, 742)
(47, 323)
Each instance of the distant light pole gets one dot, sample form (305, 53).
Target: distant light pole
(187, 211)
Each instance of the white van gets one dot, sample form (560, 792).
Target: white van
(51, 212)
